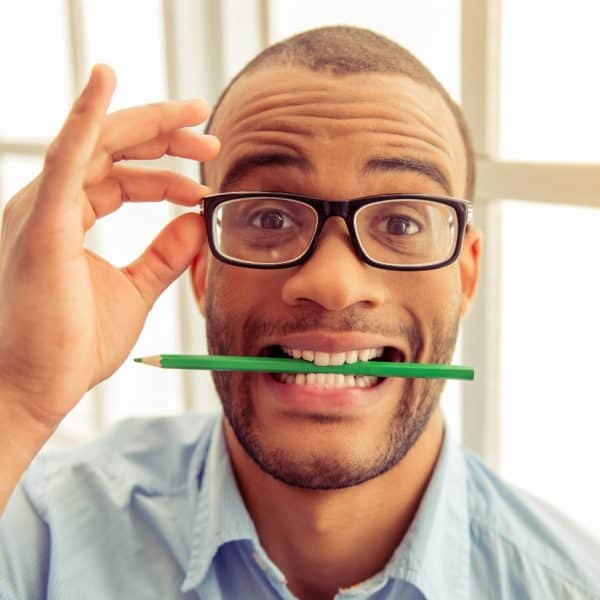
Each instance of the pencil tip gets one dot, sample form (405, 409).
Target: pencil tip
(153, 361)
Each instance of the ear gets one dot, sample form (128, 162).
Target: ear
(469, 268)
(198, 269)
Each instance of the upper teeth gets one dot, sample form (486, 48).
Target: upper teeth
(334, 358)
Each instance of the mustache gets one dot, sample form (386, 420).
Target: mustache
(256, 328)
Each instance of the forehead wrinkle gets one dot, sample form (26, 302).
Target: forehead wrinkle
(265, 99)
(336, 127)
(331, 110)
(272, 126)
(345, 89)
(403, 143)
(273, 137)
(382, 118)
(444, 134)
(328, 92)
(317, 102)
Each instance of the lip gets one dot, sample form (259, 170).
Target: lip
(331, 342)
(316, 399)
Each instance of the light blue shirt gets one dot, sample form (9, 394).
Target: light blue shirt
(152, 510)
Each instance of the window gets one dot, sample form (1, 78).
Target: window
(549, 353)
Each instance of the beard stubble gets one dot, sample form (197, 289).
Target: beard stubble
(323, 471)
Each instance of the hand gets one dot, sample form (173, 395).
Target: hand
(68, 318)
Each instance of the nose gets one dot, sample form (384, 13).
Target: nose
(335, 277)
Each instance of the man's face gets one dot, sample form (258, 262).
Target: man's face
(319, 132)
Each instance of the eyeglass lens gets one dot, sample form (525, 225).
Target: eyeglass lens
(276, 230)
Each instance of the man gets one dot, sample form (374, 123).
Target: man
(340, 232)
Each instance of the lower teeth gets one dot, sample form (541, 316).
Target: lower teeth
(331, 380)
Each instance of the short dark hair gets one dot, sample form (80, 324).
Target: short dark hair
(343, 50)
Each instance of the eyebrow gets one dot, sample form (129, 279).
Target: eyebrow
(426, 168)
(246, 164)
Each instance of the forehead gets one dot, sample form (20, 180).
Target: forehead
(321, 116)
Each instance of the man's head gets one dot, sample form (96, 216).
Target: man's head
(335, 113)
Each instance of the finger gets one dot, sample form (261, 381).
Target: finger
(135, 184)
(167, 257)
(133, 126)
(184, 143)
(67, 156)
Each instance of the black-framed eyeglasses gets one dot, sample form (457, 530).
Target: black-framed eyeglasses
(272, 230)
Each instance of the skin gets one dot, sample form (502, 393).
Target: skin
(317, 536)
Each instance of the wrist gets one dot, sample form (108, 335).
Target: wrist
(21, 433)
(21, 438)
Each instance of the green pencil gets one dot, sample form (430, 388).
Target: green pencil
(291, 365)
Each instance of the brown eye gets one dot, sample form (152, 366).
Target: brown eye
(396, 225)
(270, 219)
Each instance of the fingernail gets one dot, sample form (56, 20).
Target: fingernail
(217, 141)
(200, 101)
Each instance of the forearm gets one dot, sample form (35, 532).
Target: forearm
(21, 438)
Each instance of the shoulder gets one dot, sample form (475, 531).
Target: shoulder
(512, 530)
(122, 501)
(151, 454)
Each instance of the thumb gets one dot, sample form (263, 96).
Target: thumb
(167, 257)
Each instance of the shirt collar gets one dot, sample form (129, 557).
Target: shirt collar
(433, 555)
(221, 514)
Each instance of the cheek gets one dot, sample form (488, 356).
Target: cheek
(429, 294)
(235, 292)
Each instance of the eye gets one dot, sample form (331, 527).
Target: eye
(270, 219)
(398, 225)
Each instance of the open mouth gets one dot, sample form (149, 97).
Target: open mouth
(333, 380)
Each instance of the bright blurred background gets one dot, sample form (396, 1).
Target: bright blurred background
(525, 74)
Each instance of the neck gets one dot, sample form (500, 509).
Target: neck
(318, 538)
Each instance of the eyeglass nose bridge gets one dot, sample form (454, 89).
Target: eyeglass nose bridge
(336, 209)
(339, 208)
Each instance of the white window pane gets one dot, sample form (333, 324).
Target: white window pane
(549, 91)
(451, 400)
(430, 29)
(16, 171)
(128, 36)
(34, 68)
(550, 401)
